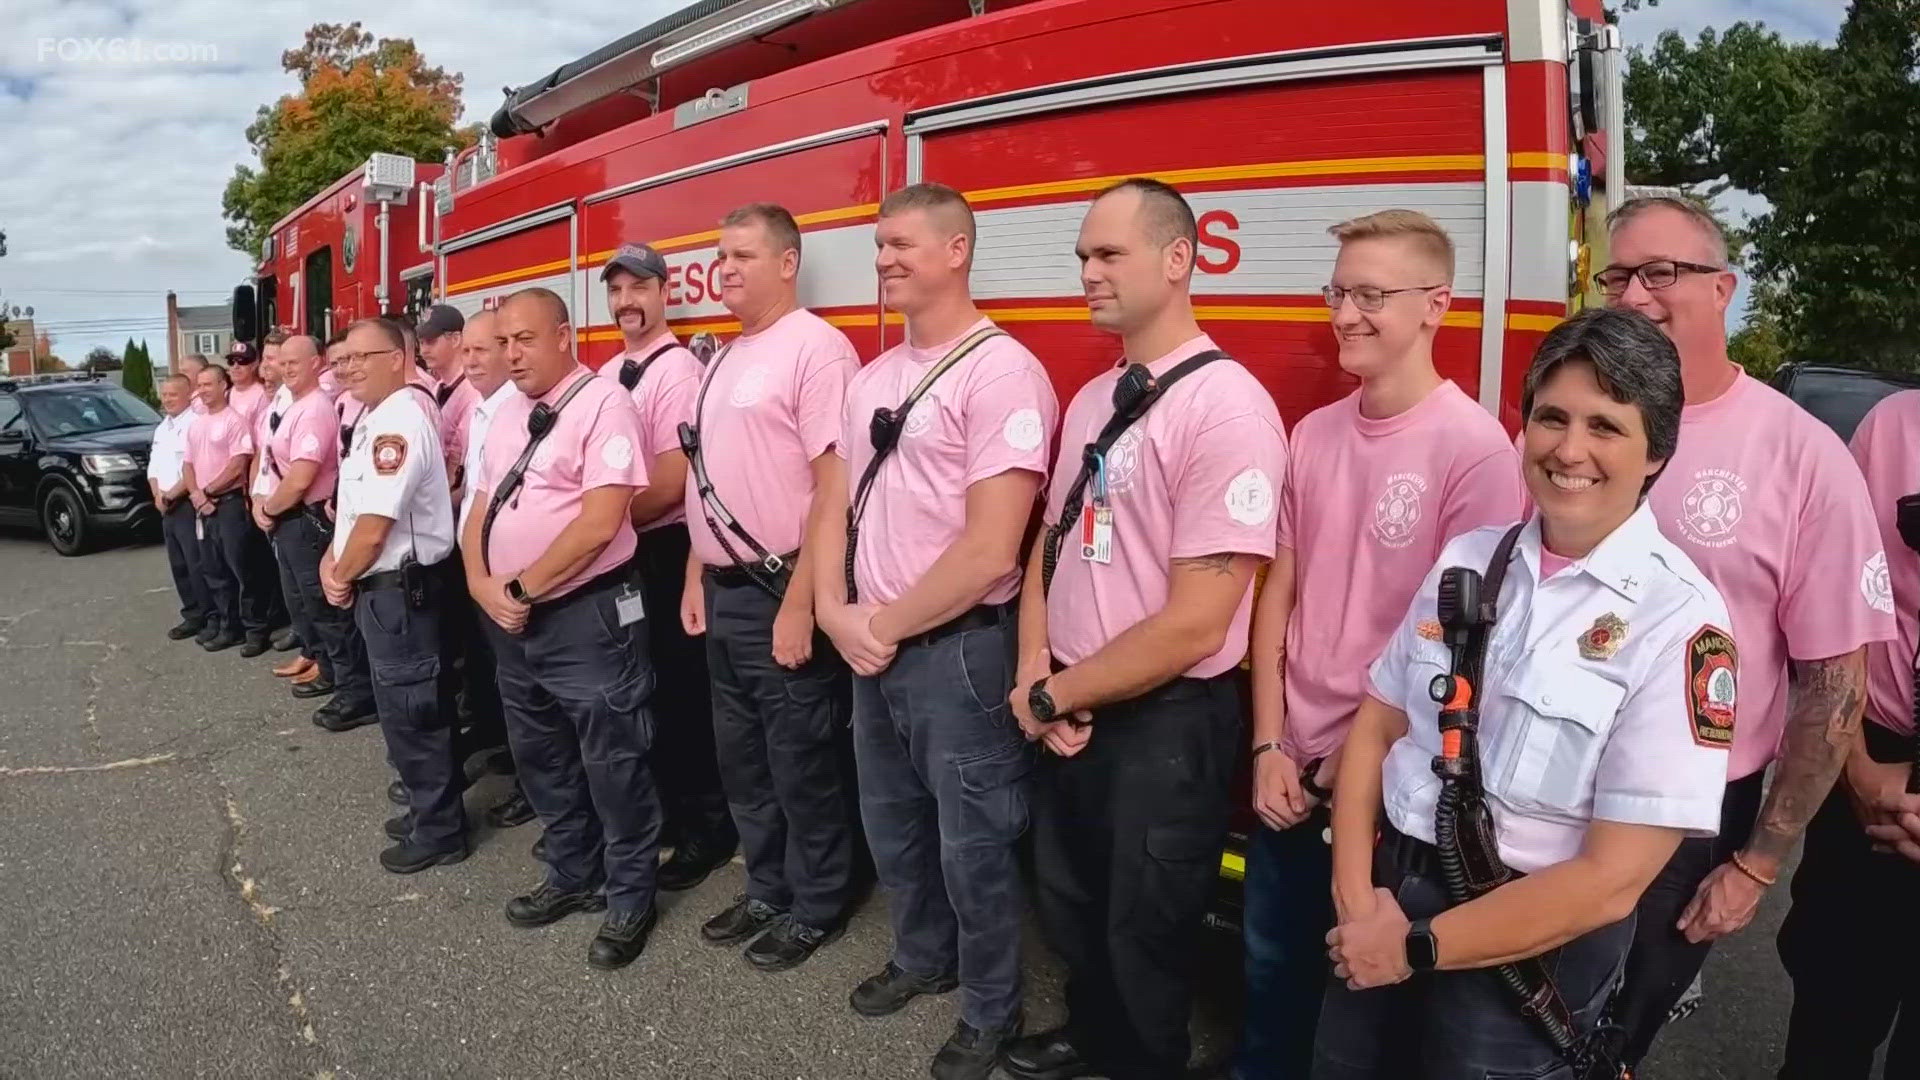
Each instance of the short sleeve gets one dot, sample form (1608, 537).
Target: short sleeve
(1008, 419)
(613, 454)
(825, 369)
(1834, 599)
(1290, 495)
(672, 405)
(317, 440)
(242, 442)
(1387, 676)
(1487, 492)
(1665, 761)
(1226, 498)
(399, 447)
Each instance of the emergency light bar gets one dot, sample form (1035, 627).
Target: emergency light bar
(746, 26)
(389, 177)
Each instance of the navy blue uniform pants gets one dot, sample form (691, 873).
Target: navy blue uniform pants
(943, 773)
(574, 686)
(409, 685)
(183, 559)
(331, 637)
(226, 556)
(685, 765)
(1288, 910)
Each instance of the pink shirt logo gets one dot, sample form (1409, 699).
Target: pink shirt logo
(1024, 429)
(751, 387)
(1123, 461)
(1250, 497)
(922, 414)
(1711, 507)
(1876, 585)
(1396, 514)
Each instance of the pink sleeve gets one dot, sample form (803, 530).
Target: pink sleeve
(824, 372)
(1226, 498)
(1009, 417)
(242, 437)
(671, 405)
(1487, 492)
(1289, 494)
(613, 451)
(315, 439)
(1828, 606)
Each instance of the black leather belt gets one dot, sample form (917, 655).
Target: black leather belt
(385, 579)
(734, 576)
(977, 618)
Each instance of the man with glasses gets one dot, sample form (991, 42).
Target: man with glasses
(1377, 484)
(1755, 481)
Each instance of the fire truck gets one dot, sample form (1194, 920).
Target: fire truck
(1496, 117)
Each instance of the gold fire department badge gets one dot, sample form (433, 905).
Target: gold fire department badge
(1603, 638)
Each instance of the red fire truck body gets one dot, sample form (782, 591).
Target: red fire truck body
(1274, 127)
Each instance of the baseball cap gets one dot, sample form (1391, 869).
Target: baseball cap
(638, 260)
(242, 353)
(440, 319)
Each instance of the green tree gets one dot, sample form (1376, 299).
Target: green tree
(357, 96)
(1827, 135)
(137, 378)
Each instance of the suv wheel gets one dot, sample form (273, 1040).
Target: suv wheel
(65, 521)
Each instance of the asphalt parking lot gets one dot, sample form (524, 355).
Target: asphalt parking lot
(189, 888)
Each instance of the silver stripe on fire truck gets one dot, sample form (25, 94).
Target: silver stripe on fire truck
(1499, 231)
(805, 142)
(1540, 241)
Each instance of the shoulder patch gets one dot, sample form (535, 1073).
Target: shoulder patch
(1711, 686)
(389, 453)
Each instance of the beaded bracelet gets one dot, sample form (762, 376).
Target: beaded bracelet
(1741, 865)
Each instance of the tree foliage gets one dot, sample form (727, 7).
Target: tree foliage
(1828, 135)
(100, 358)
(45, 360)
(137, 377)
(357, 96)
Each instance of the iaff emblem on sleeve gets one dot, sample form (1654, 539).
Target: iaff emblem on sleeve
(389, 453)
(1711, 686)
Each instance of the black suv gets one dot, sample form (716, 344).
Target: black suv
(1836, 396)
(73, 458)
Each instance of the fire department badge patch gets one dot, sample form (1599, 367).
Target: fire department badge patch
(1429, 629)
(389, 453)
(1603, 638)
(1711, 686)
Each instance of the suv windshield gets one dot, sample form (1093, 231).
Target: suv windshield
(83, 411)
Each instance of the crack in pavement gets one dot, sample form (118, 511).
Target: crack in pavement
(94, 686)
(61, 770)
(7, 623)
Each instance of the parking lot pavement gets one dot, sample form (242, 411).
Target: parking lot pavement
(188, 875)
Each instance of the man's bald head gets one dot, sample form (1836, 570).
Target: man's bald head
(550, 305)
(301, 363)
(1162, 211)
(539, 340)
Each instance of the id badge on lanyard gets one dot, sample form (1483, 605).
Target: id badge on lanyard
(630, 606)
(1096, 520)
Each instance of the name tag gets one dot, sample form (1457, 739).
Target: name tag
(630, 606)
(1096, 534)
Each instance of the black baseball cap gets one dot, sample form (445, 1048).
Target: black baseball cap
(638, 260)
(440, 319)
(242, 353)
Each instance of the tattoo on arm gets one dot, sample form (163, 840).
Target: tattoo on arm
(1221, 564)
(1824, 706)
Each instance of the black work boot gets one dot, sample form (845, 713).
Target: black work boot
(399, 826)
(186, 630)
(888, 992)
(510, 811)
(407, 857)
(693, 860)
(970, 1053)
(549, 904)
(220, 641)
(337, 715)
(622, 938)
(789, 943)
(255, 645)
(1049, 1055)
(744, 919)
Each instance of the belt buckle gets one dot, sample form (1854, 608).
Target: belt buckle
(773, 564)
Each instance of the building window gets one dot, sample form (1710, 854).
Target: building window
(207, 345)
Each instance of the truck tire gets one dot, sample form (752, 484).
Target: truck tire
(64, 520)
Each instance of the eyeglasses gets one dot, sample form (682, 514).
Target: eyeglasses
(1654, 274)
(1366, 297)
(355, 359)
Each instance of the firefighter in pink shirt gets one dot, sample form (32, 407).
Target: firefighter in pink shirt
(191, 365)
(547, 543)
(1377, 483)
(1133, 618)
(663, 377)
(1755, 477)
(1853, 973)
(256, 378)
(219, 449)
(765, 422)
(249, 395)
(440, 332)
(945, 437)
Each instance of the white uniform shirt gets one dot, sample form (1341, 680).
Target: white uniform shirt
(395, 470)
(169, 452)
(478, 422)
(1633, 724)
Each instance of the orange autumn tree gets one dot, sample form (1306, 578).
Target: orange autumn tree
(357, 96)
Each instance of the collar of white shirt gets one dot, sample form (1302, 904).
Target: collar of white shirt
(1619, 562)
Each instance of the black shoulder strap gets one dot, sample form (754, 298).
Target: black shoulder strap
(631, 371)
(1124, 415)
(446, 391)
(766, 568)
(511, 482)
(885, 434)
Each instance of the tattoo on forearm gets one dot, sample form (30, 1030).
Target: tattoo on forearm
(1221, 563)
(1824, 706)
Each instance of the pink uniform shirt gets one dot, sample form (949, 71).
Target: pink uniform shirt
(1887, 446)
(595, 442)
(1766, 500)
(309, 432)
(1200, 474)
(212, 441)
(265, 480)
(1368, 506)
(664, 397)
(250, 402)
(772, 405)
(453, 420)
(328, 385)
(990, 413)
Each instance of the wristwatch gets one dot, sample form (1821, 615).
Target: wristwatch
(517, 592)
(1040, 702)
(1423, 952)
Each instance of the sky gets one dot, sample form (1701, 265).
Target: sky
(124, 120)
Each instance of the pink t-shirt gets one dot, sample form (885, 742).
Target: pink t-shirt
(1198, 475)
(664, 396)
(250, 402)
(596, 442)
(1887, 446)
(265, 479)
(328, 384)
(772, 406)
(309, 432)
(453, 420)
(1369, 504)
(1766, 501)
(990, 413)
(1551, 564)
(213, 440)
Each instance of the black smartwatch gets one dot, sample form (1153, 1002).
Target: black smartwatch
(1423, 953)
(1040, 702)
(517, 592)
